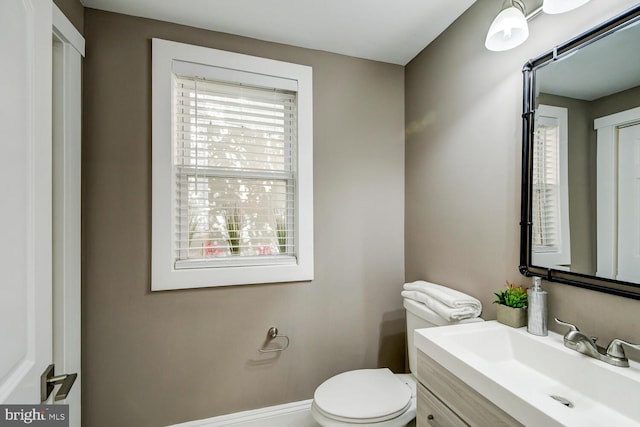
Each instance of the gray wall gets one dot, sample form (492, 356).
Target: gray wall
(161, 358)
(615, 103)
(463, 106)
(74, 11)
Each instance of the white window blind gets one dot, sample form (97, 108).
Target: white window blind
(546, 189)
(550, 234)
(235, 174)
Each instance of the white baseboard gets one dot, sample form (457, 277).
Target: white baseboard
(294, 414)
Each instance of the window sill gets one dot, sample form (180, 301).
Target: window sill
(300, 270)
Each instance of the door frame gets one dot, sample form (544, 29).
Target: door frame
(67, 52)
(607, 188)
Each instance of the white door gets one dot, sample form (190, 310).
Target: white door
(629, 204)
(25, 194)
(40, 219)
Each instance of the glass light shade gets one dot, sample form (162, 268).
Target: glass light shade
(560, 6)
(507, 31)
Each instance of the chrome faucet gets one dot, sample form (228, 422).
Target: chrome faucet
(613, 354)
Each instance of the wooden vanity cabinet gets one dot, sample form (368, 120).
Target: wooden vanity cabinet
(445, 401)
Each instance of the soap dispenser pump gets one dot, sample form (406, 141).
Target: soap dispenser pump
(537, 309)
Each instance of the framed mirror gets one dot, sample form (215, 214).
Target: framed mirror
(580, 212)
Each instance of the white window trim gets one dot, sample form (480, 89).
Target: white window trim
(163, 274)
(559, 259)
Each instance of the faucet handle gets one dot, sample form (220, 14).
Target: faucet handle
(615, 348)
(570, 325)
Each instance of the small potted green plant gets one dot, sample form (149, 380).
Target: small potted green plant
(512, 305)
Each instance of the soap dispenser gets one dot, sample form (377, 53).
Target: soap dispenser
(537, 309)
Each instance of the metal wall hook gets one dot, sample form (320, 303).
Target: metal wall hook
(272, 334)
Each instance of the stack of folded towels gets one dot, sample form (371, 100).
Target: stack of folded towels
(447, 303)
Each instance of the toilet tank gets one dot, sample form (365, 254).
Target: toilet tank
(420, 316)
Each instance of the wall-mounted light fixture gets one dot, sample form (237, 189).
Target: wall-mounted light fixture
(509, 29)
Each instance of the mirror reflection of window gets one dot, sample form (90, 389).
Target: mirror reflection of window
(549, 198)
(545, 186)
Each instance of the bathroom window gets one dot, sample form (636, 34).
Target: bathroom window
(550, 198)
(232, 169)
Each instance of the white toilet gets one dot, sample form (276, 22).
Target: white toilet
(376, 397)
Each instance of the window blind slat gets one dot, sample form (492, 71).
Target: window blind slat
(208, 105)
(230, 122)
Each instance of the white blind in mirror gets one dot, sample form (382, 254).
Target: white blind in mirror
(545, 194)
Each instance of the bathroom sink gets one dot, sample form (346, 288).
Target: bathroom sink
(535, 379)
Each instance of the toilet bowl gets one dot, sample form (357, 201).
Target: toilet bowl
(376, 397)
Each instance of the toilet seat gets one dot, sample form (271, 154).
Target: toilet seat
(365, 396)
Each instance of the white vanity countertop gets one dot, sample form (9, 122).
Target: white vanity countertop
(518, 372)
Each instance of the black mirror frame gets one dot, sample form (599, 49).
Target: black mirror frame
(610, 286)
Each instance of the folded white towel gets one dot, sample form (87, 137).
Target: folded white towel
(443, 310)
(445, 295)
(448, 303)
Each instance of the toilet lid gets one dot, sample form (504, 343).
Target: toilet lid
(367, 394)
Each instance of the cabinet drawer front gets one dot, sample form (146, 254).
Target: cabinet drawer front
(433, 413)
(463, 400)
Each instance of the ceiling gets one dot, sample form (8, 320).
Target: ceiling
(393, 31)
